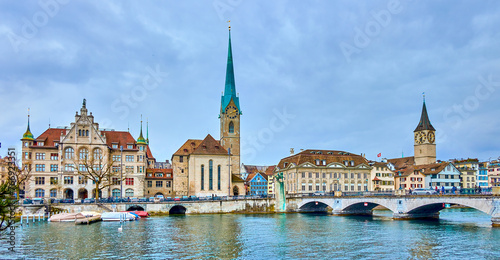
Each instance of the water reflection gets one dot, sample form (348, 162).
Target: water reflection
(460, 233)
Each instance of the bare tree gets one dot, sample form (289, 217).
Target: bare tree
(21, 177)
(97, 169)
(8, 202)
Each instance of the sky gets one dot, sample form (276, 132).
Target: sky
(339, 75)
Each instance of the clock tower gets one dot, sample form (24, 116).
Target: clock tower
(230, 113)
(425, 140)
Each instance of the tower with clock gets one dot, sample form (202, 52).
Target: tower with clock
(425, 140)
(230, 113)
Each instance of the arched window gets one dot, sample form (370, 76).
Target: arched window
(39, 193)
(116, 193)
(68, 153)
(129, 192)
(53, 193)
(97, 154)
(86, 132)
(79, 132)
(84, 154)
(210, 175)
(202, 177)
(218, 177)
(231, 127)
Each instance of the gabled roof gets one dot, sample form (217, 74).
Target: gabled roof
(425, 123)
(425, 169)
(49, 136)
(210, 146)
(330, 156)
(250, 177)
(404, 162)
(270, 170)
(188, 147)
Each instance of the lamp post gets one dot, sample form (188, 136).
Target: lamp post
(121, 173)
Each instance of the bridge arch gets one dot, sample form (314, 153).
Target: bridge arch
(177, 210)
(135, 208)
(434, 207)
(314, 206)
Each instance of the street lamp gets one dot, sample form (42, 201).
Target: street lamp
(121, 173)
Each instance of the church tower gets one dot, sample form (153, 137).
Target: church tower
(230, 113)
(425, 138)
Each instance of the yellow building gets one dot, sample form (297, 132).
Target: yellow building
(324, 171)
(382, 177)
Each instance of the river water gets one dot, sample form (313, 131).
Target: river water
(458, 234)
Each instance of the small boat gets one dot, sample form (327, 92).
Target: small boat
(89, 214)
(142, 214)
(66, 217)
(118, 216)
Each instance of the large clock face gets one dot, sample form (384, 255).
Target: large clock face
(420, 137)
(231, 112)
(431, 137)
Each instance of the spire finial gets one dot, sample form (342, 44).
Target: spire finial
(147, 130)
(28, 135)
(423, 95)
(229, 22)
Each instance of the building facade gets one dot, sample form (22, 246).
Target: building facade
(159, 182)
(382, 177)
(257, 183)
(58, 158)
(325, 171)
(494, 173)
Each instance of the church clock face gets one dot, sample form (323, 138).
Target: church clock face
(431, 137)
(420, 137)
(231, 112)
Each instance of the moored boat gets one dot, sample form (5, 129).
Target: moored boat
(117, 216)
(140, 213)
(66, 217)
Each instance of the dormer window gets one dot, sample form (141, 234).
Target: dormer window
(159, 175)
(40, 144)
(114, 146)
(317, 162)
(185, 150)
(352, 163)
(130, 146)
(285, 164)
(323, 162)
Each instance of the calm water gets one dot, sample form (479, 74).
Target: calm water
(459, 234)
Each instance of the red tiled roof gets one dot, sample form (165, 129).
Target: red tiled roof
(148, 153)
(49, 136)
(210, 146)
(330, 156)
(188, 147)
(270, 170)
(121, 138)
(376, 179)
(164, 171)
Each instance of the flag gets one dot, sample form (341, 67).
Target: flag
(379, 154)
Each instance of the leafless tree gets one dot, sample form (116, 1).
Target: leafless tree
(97, 169)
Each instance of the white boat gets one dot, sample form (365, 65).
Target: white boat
(66, 217)
(117, 216)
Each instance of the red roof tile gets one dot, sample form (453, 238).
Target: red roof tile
(121, 138)
(49, 136)
(188, 147)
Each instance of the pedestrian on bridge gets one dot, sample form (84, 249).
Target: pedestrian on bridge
(442, 190)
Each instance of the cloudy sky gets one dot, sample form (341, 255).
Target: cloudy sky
(343, 75)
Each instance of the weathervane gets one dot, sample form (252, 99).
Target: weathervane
(229, 22)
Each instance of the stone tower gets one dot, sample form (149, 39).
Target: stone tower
(230, 113)
(425, 140)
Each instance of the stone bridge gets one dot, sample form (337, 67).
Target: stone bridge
(403, 207)
(167, 207)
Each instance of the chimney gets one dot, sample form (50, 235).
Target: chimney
(292, 152)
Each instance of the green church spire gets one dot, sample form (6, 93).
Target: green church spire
(230, 87)
(141, 139)
(28, 135)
